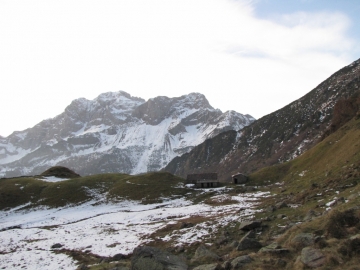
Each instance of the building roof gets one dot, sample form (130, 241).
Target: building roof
(201, 176)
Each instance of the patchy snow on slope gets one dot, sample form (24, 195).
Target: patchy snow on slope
(52, 179)
(105, 229)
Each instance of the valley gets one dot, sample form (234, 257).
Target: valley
(299, 209)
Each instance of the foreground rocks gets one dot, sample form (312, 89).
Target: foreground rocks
(151, 258)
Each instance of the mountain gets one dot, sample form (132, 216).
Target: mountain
(280, 136)
(116, 132)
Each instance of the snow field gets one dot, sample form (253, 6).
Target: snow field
(105, 229)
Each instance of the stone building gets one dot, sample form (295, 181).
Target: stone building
(203, 180)
(240, 178)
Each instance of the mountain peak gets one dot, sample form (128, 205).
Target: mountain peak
(116, 97)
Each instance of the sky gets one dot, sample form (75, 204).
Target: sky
(251, 56)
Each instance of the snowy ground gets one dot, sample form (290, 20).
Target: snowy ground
(105, 229)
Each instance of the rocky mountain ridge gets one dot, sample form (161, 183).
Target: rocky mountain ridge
(116, 132)
(274, 138)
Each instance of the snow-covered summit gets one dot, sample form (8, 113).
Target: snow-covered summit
(116, 132)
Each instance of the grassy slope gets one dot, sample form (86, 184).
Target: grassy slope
(328, 171)
(148, 188)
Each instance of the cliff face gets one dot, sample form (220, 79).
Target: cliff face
(281, 135)
(116, 133)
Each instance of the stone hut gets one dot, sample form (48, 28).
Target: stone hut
(203, 180)
(240, 178)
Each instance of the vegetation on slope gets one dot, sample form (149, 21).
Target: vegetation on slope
(148, 188)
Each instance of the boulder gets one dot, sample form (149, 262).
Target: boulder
(151, 258)
(312, 257)
(248, 242)
(239, 262)
(213, 266)
(250, 225)
(119, 257)
(202, 254)
(57, 245)
(303, 240)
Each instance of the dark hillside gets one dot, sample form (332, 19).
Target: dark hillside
(279, 136)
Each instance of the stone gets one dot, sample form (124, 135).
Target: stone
(280, 263)
(118, 257)
(226, 265)
(248, 242)
(270, 209)
(353, 196)
(281, 205)
(274, 248)
(303, 240)
(221, 240)
(57, 245)
(250, 225)
(238, 262)
(203, 254)
(184, 225)
(151, 258)
(311, 214)
(312, 257)
(213, 266)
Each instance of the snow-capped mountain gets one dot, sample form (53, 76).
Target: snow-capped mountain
(116, 132)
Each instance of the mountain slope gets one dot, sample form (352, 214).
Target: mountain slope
(116, 133)
(279, 136)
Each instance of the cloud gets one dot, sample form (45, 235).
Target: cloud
(55, 51)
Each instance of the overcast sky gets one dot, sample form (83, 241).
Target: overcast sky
(253, 57)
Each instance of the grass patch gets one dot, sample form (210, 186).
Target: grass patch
(147, 188)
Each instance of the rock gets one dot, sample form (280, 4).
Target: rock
(250, 225)
(353, 196)
(184, 225)
(280, 216)
(118, 257)
(281, 205)
(280, 263)
(311, 214)
(226, 265)
(57, 245)
(312, 257)
(270, 209)
(151, 258)
(205, 255)
(250, 189)
(83, 267)
(274, 248)
(238, 262)
(213, 266)
(303, 240)
(357, 236)
(248, 242)
(221, 240)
